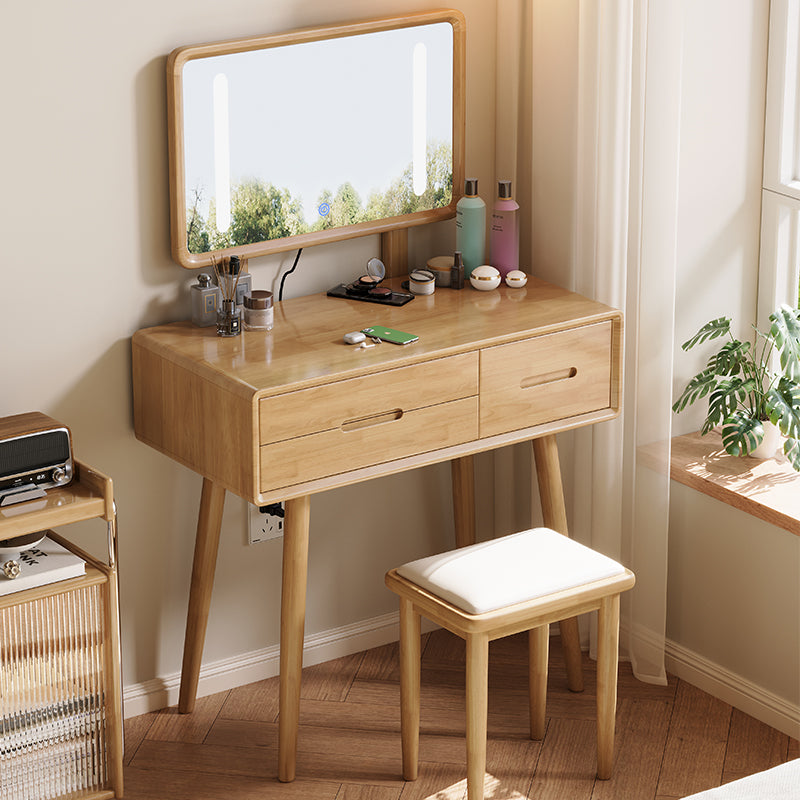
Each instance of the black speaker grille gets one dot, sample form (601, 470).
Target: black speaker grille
(34, 452)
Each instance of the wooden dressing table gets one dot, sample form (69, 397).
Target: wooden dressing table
(286, 414)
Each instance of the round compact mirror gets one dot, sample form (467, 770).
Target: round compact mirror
(376, 269)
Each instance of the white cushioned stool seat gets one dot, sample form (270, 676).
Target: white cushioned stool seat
(513, 569)
(521, 582)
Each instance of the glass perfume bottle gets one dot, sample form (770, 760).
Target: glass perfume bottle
(205, 301)
(457, 271)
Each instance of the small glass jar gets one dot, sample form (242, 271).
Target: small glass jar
(258, 311)
(228, 319)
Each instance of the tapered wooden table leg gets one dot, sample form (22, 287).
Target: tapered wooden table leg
(293, 616)
(206, 546)
(554, 513)
(462, 472)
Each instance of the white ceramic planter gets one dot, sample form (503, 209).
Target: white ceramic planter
(770, 443)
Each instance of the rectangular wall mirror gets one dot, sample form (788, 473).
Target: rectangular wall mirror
(316, 135)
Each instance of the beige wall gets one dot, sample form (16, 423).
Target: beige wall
(84, 218)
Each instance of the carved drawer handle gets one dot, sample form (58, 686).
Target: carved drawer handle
(375, 419)
(548, 377)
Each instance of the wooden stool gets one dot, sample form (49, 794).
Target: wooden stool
(493, 589)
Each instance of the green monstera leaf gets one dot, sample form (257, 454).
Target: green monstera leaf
(730, 358)
(783, 407)
(725, 399)
(697, 388)
(741, 434)
(791, 449)
(711, 330)
(785, 332)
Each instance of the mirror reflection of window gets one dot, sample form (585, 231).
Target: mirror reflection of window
(305, 137)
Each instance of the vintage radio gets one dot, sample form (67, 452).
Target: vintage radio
(35, 455)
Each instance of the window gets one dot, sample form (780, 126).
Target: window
(779, 271)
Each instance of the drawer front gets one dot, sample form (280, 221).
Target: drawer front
(367, 439)
(545, 378)
(329, 407)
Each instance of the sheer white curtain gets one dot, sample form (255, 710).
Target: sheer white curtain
(588, 96)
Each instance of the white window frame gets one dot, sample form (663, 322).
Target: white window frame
(779, 267)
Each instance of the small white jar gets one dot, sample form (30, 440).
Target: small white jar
(485, 278)
(516, 278)
(421, 281)
(258, 311)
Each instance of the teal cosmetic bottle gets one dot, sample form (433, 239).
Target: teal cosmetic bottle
(471, 227)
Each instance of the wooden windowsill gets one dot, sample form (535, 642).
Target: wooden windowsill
(768, 489)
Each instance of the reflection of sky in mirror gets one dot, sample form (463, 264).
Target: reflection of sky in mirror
(312, 116)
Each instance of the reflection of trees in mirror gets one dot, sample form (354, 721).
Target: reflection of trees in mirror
(262, 212)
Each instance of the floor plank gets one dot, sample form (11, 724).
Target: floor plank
(255, 701)
(170, 726)
(568, 761)
(145, 784)
(135, 730)
(641, 735)
(752, 747)
(694, 754)
(365, 792)
(330, 680)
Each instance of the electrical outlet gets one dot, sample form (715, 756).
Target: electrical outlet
(266, 522)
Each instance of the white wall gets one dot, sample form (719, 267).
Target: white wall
(734, 581)
(84, 219)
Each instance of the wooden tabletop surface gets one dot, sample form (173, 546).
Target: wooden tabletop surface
(305, 346)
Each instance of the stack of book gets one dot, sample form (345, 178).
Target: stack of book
(46, 562)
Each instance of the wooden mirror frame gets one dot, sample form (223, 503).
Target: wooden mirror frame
(178, 207)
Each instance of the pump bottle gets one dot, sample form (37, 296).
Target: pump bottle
(471, 227)
(504, 236)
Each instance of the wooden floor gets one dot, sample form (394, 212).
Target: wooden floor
(671, 741)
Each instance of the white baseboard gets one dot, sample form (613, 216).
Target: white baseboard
(731, 688)
(258, 665)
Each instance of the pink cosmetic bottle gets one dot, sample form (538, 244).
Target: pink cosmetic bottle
(504, 242)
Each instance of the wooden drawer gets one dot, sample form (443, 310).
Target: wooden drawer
(325, 430)
(545, 378)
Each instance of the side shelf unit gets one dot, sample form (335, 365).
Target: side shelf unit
(60, 684)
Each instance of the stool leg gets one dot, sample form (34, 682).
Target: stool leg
(477, 712)
(538, 645)
(554, 514)
(607, 663)
(409, 687)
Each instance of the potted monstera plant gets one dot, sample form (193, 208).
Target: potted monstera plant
(751, 386)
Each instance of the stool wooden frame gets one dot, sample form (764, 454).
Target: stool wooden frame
(478, 630)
